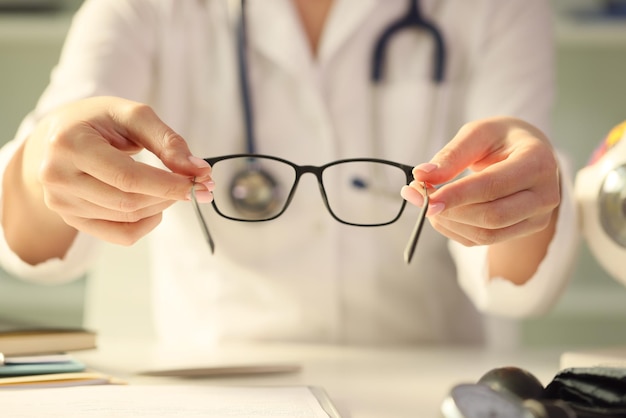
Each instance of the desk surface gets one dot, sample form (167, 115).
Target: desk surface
(362, 382)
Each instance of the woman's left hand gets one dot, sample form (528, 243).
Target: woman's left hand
(511, 189)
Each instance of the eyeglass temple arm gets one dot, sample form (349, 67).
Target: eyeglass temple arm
(417, 229)
(203, 224)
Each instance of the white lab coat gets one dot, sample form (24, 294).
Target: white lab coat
(304, 276)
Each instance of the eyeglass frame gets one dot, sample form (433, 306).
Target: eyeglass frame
(317, 171)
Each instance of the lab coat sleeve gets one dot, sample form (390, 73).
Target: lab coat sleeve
(106, 52)
(501, 297)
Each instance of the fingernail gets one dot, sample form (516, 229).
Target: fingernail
(202, 192)
(426, 167)
(204, 197)
(435, 209)
(210, 185)
(198, 162)
(409, 194)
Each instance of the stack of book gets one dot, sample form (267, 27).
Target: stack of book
(40, 357)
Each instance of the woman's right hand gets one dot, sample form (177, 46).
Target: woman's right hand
(76, 172)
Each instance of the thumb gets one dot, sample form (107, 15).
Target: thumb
(139, 123)
(475, 146)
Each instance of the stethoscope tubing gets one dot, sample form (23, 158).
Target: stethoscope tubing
(413, 19)
(244, 80)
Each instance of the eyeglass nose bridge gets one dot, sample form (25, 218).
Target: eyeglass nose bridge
(317, 172)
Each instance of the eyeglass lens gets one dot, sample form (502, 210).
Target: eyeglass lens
(357, 192)
(363, 192)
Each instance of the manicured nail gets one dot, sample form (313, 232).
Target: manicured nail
(202, 192)
(210, 185)
(412, 196)
(204, 197)
(426, 167)
(198, 162)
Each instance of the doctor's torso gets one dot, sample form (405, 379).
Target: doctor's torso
(302, 276)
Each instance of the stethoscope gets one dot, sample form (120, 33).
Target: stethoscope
(253, 190)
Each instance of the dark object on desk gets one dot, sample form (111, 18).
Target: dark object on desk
(516, 381)
(592, 392)
(17, 339)
(507, 392)
(476, 400)
(577, 392)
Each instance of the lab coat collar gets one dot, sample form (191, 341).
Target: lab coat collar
(274, 30)
(345, 16)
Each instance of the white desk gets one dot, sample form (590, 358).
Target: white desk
(362, 382)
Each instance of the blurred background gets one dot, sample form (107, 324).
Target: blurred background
(591, 83)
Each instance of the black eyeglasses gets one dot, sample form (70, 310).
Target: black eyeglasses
(356, 191)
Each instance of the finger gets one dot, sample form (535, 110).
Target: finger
(414, 194)
(411, 194)
(113, 164)
(140, 123)
(518, 173)
(440, 226)
(482, 143)
(499, 213)
(490, 185)
(474, 142)
(122, 172)
(89, 189)
(471, 235)
(122, 233)
(100, 175)
(76, 207)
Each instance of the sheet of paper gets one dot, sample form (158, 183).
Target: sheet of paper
(165, 401)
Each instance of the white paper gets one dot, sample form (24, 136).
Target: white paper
(163, 401)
